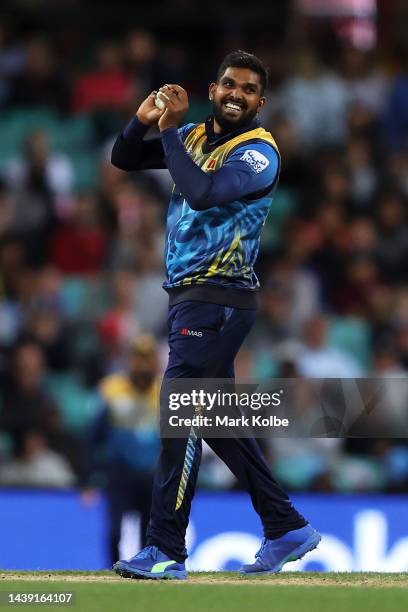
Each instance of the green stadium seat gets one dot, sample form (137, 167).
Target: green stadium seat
(197, 110)
(264, 366)
(353, 336)
(283, 206)
(75, 296)
(86, 170)
(73, 399)
(298, 472)
(83, 297)
(71, 135)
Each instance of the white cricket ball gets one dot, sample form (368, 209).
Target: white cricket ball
(159, 102)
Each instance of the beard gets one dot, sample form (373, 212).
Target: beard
(228, 124)
(142, 380)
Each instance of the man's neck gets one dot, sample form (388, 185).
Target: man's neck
(215, 133)
(216, 127)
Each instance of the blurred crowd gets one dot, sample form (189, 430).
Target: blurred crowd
(81, 246)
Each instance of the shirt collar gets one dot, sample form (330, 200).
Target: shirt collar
(214, 139)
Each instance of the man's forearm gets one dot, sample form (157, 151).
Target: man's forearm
(132, 152)
(193, 183)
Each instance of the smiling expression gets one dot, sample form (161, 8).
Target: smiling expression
(237, 98)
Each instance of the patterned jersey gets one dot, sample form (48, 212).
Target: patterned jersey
(219, 245)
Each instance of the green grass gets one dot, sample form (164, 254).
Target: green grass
(218, 592)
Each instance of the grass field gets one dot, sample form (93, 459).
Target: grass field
(215, 592)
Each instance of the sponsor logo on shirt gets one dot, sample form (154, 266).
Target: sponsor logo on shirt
(191, 332)
(256, 160)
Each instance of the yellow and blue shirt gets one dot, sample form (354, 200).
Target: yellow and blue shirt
(123, 436)
(223, 186)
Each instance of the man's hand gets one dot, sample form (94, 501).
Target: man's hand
(148, 113)
(175, 100)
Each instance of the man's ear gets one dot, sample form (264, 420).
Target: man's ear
(211, 91)
(262, 102)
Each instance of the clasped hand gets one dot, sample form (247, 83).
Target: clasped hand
(175, 100)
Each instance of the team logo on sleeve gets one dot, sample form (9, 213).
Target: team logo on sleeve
(256, 160)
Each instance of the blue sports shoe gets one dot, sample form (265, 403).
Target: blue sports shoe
(273, 554)
(151, 563)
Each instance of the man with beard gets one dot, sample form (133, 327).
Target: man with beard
(225, 172)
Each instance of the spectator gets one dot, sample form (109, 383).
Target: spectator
(151, 66)
(41, 82)
(6, 210)
(34, 215)
(56, 168)
(108, 86)
(27, 406)
(358, 285)
(120, 323)
(316, 359)
(396, 112)
(125, 432)
(36, 465)
(79, 244)
(139, 243)
(363, 173)
(316, 100)
(364, 79)
(392, 249)
(46, 326)
(12, 59)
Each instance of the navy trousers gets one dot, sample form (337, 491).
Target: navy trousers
(210, 355)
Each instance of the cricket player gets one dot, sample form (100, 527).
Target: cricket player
(225, 171)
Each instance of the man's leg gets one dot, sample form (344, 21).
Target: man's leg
(287, 536)
(245, 460)
(176, 474)
(173, 490)
(208, 355)
(243, 455)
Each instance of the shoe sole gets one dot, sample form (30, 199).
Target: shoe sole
(126, 572)
(299, 552)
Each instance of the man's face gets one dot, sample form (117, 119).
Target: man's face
(143, 369)
(236, 98)
(29, 367)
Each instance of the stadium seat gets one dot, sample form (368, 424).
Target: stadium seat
(73, 399)
(283, 206)
(84, 296)
(74, 296)
(85, 170)
(70, 135)
(264, 366)
(197, 110)
(353, 336)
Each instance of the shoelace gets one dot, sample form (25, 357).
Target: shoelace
(260, 551)
(147, 552)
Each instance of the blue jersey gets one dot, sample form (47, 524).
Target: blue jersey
(218, 244)
(221, 197)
